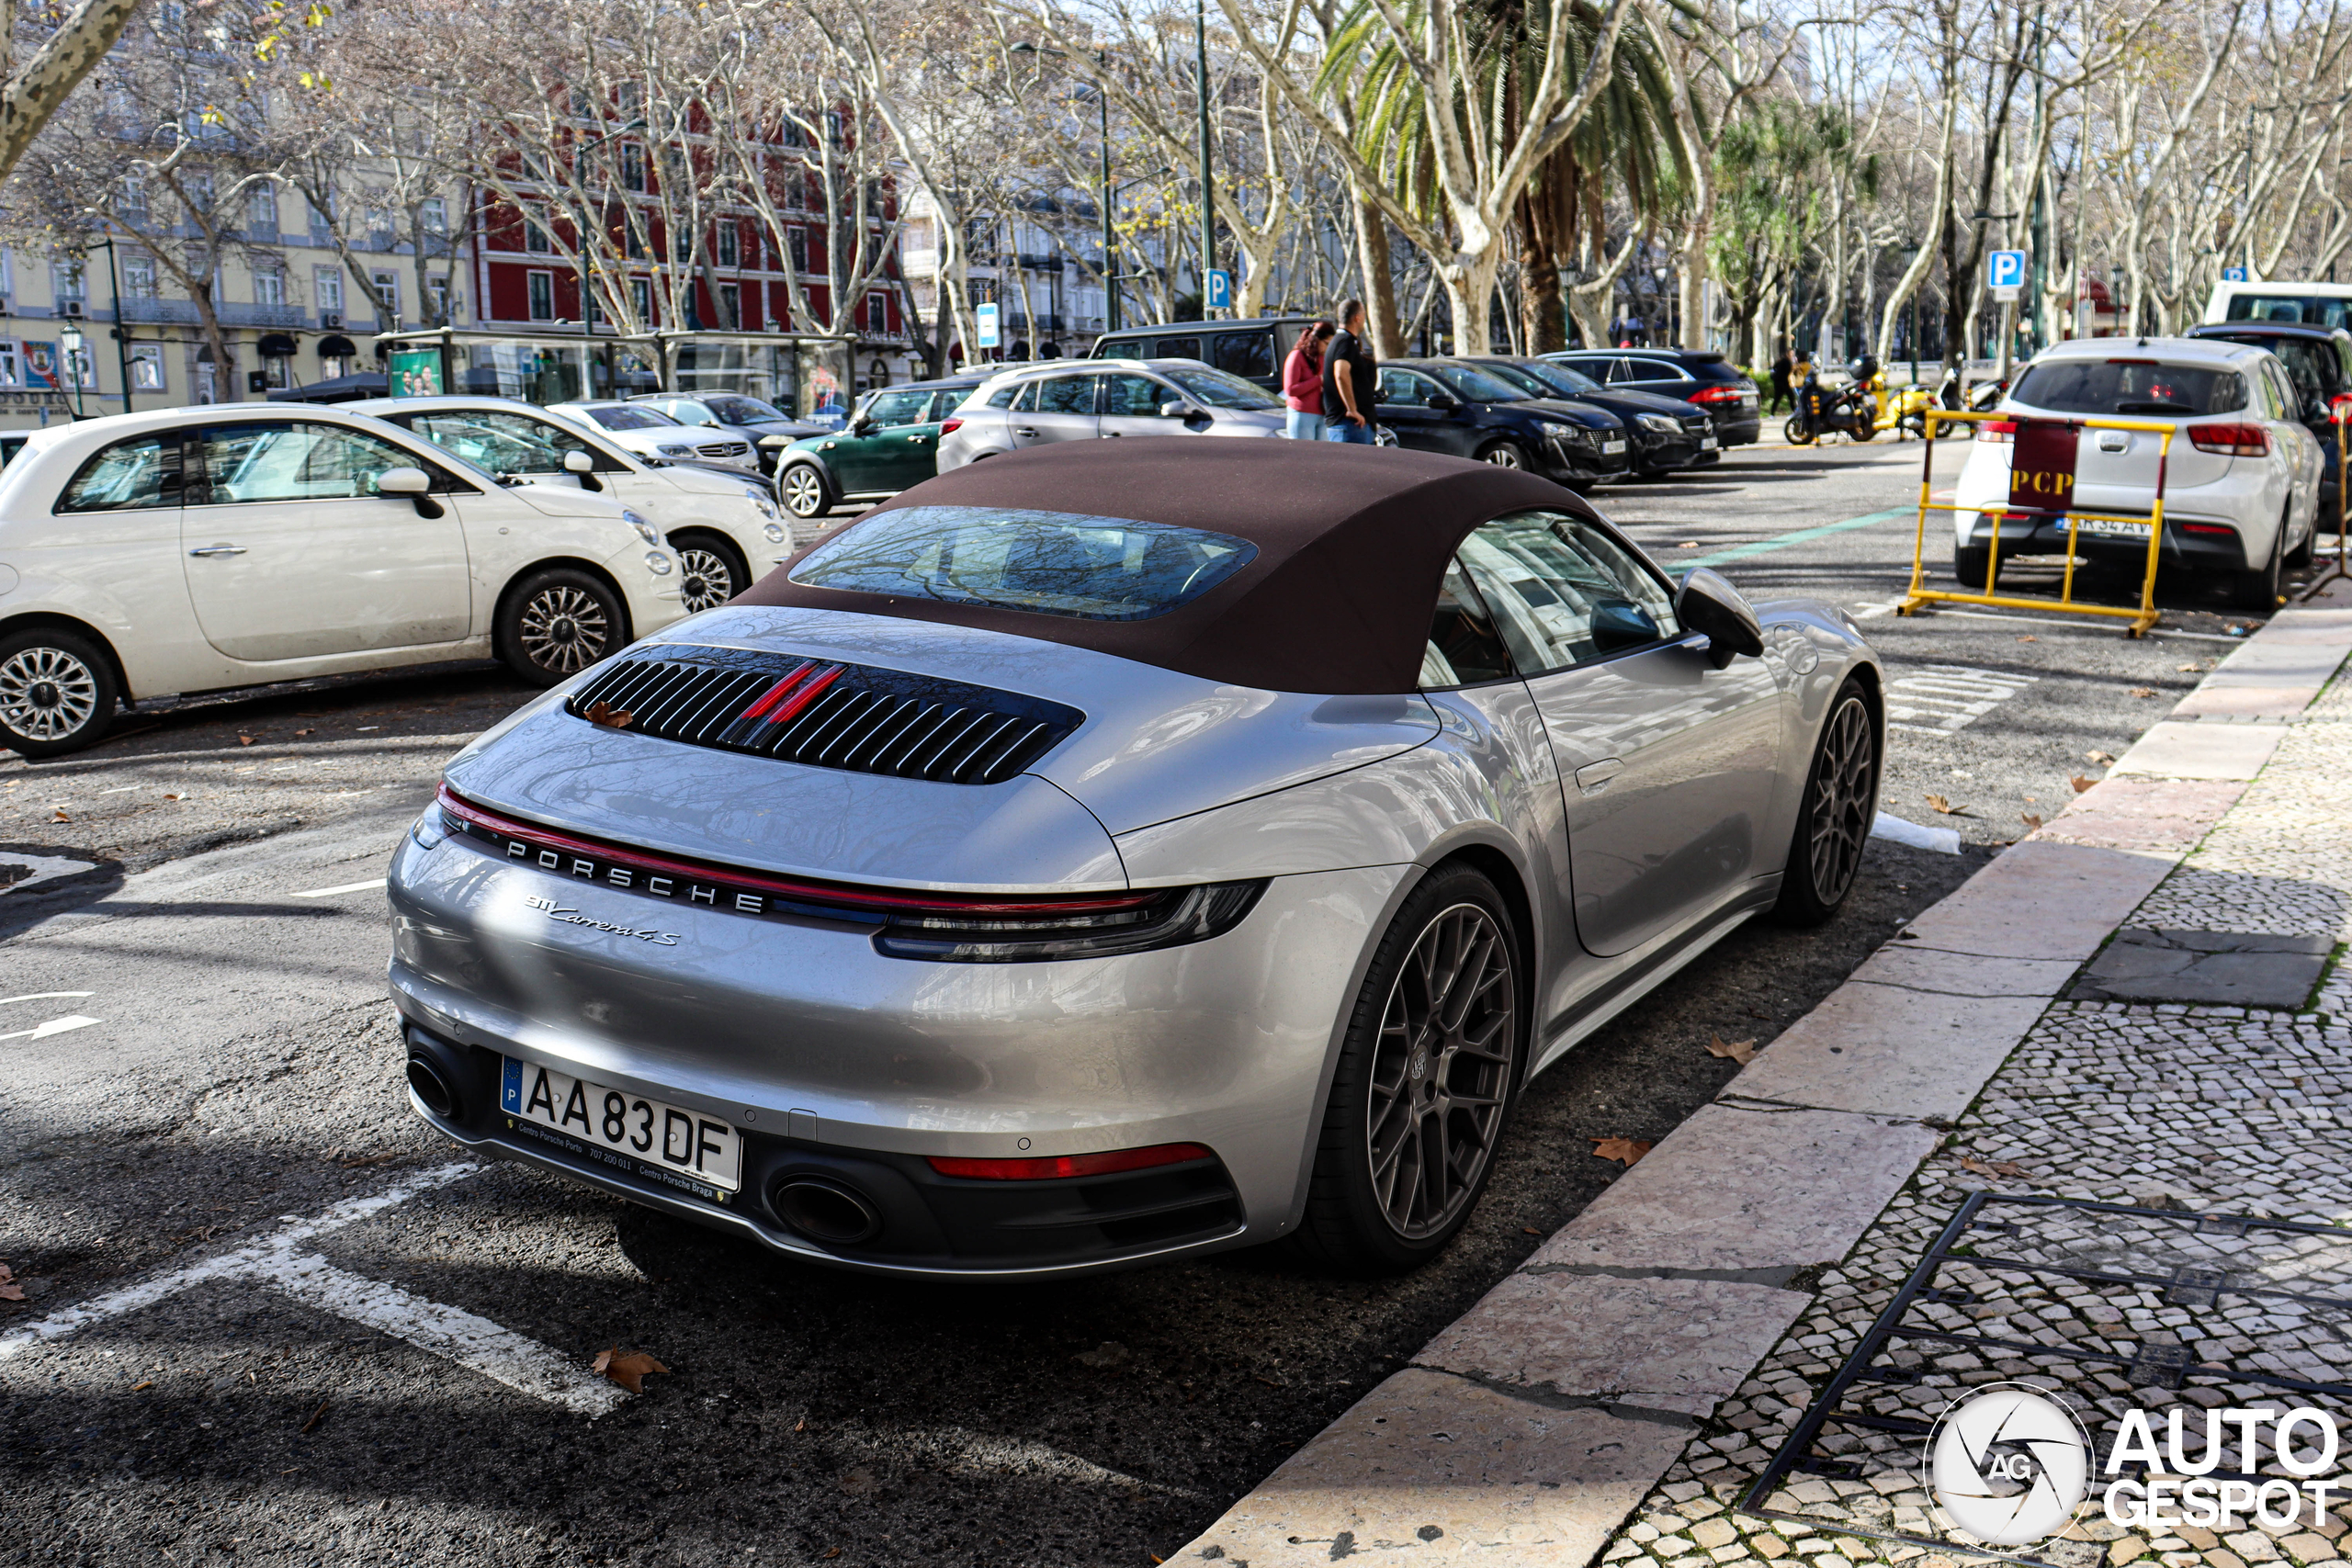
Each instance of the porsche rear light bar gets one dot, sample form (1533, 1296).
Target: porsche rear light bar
(1055, 1168)
(943, 927)
(2231, 440)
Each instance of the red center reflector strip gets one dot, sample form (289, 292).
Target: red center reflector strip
(1054, 1167)
(774, 694)
(805, 695)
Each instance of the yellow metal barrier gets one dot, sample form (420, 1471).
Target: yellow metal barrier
(1920, 595)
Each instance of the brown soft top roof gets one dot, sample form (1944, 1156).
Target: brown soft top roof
(1352, 543)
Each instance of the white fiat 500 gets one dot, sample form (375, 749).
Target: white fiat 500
(197, 549)
(725, 527)
(2241, 479)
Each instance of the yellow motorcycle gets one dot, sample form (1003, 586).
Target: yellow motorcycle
(1903, 410)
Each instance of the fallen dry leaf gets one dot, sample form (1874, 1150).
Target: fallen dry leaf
(627, 1368)
(609, 716)
(2032, 823)
(1628, 1150)
(137, 1386)
(2028, 639)
(2101, 758)
(2189, 669)
(9, 1289)
(2144, 690)
(1944, 807)
(1688, 544)
(1991, 1167)
(304, 732)
(2081, 783)
(1740, 1051)
(244, 739)
(1530, 1230)
(316, 1416)
(61, 815)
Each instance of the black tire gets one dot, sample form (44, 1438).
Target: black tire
(804, 490)
(1508, 455)
(2300, 556)
(712, 571)
(1835, 813)
(2259, 590)
(58, 692)
(1864, 426)
(1405, 1078)
(556, 622)
(1797, 432)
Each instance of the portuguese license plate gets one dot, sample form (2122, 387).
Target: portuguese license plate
(2120, 527)
(1706, 443)
(1612, 447)
(623, 1129)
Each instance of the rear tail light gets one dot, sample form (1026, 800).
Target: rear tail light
(1718, 395)
(2221, 529)
(2003, 430)
(1052, 1168)
(950, 426)
(2232, 440)
(1168, 918)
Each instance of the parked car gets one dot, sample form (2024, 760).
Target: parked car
(1457, 408)
(721, 523)
(649, 433)
(736, 414)
(1118, 852)
(2241, 481)
(1253, 349)
(1692, 376)
(1666, 434)
(2319, 361)
(890, 443)
(197, 549)
(11, 442)
(2281, 299)
(1089, 399)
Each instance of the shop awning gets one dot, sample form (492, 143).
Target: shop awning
(276, 345)
(330, 346)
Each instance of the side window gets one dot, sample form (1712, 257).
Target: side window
(1405, 389)
(1622, 371)
(1464, 648)
(898, 408)
(1026, 402)
(1135, 396)
(1177, 348)
(141, 472)
(1067, 394)
(1003, 397)
(273, 462)
(1120, 348)
(1545, 575)
(1244, 354)
(482, 438)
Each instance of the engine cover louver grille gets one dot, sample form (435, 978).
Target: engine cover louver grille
(825, 713)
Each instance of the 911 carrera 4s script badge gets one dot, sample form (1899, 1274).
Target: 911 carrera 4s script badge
(825, 713)
(571, 917)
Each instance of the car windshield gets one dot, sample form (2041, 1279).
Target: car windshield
(734, 409)
(1566, 378)
(2310, 309)
(2129, 386)
(630, 416)
(1524, 378)
(1049, 563)
(1476, 386)
(1216, 388)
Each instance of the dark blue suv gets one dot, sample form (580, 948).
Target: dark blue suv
(1450, 405)
(1694, 375)
(1665, 434)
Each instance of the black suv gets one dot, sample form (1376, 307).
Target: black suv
(2319, 361)
(1253, 350)
(1665, 434)
(1453, 406)
(1693, 376)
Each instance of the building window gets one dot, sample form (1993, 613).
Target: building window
(269, 286)
(277, 372)
(685, 244)
(326, 286)
(797, 242)
(632, 167)
(877, 314)
(388, 289)
(436, 297)
(542, 287)
(147, 367)
(731, 244)
(632, 241)
(640, 299)
(133, 206)
(138, 277)
(66, 281)
(321, 225)
(432, 214)
(730, 306)
(261, 210)
(535, 239)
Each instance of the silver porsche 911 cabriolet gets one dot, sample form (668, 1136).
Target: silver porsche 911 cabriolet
(1111, 854)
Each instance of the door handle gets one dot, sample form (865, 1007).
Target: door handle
(1110, 435)
(1023, 430)
(1594, 777)
(220, 550)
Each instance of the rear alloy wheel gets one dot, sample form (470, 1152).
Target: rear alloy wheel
(557, 622)
(1425, 1082)
(711, 570)
(804, 492)
(1834, 817)
(2259, 590)
(57, 691)
(1507, 454)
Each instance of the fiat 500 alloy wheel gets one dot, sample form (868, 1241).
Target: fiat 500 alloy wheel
(709, 580)
(57, 691)
(1440, 1072)
(564, 629)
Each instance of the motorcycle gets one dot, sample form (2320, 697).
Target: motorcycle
(1904, 411)
(1983, 397)
(1826, 411)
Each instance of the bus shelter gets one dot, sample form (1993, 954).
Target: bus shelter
(804, 375)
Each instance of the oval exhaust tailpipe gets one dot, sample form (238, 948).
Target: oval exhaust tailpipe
(825, 1211)
(424, 1076)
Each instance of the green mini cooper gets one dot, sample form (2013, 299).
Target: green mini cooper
(889, 444)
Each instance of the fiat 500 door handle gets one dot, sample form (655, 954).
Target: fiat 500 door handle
(1592, 776)
(220, 550)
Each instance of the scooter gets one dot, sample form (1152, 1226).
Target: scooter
(1822, 410)
(1904, 411)
(1985, 396)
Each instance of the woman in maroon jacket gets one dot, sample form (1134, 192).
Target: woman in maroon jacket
(1303, 382)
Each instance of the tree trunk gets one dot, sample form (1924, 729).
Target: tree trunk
(1544, 321)
(1470, 297)
(1379, 280)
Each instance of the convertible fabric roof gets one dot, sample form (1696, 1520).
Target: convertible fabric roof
(1352, 543)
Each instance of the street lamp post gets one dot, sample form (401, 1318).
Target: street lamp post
(1911, 329)
(1208, 188)
(69, 343)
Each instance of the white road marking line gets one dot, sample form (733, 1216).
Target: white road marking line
(54, 1026)
(125, 789)
(283, 1263)
(43, 996)
(338, 892)
(1945, 698)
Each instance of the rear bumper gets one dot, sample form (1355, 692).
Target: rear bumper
(1738, 429)
(2222, 551)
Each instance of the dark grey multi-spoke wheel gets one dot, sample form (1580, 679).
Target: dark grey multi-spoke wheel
(1834, 817)
(1425, 1081)
(556, 622)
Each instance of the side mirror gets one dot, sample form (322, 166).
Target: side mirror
(1619, 623)
(1441, 403)
(579, 463)
(1175, 411)
(861, 424)
(403, 481)
(1710, 604)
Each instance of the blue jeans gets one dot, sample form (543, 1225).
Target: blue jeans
(1305, 426)
(1348, 430)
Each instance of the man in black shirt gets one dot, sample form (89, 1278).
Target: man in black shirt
(1351, 380)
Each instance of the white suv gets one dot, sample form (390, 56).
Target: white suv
(2241, 481)
(197, 549)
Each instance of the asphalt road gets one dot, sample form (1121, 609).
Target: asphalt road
(201, 1088)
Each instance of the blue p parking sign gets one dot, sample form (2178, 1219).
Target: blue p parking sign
(2005, 269)
(1220, 290)
(2234, 274)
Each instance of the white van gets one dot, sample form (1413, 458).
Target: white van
(2282, 300)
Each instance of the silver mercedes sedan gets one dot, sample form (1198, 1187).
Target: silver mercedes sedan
(1109, 853)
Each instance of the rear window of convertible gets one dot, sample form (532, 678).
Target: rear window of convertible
(1051, 563)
